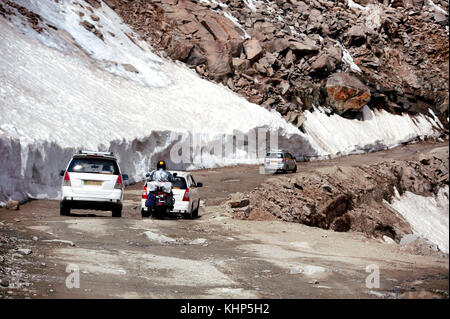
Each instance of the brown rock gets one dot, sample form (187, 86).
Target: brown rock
(94, 3)
(218, 59)
(110, 3)
(179, 49)
(240, 65)
(346, 92)
(13, 205)
(253, 49)
(356, 35)
(237, 203)
(212, 25)
(87, 25)
(236, 47)
(303, 47)
(130, 68)
(196, 57)
(278, 45)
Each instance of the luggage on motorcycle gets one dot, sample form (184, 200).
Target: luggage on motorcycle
(150, 202)
(153, 185)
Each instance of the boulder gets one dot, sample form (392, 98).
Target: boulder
(238, 203)
(179, 49)
(327, 62)
(277, 45)
(13, 205)
(345, 92)
(240, 65)
(218, 59)
(253, 49)
(356, 35)
(196, 57)
(24, 251)
(304, 47)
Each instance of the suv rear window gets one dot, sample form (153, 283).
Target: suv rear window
(274, 155)
(94, 165)
(179, 182)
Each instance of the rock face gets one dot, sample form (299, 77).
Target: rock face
(284, 55)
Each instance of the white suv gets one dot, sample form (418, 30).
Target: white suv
(185, 193)
(279, 160)
(92, 180)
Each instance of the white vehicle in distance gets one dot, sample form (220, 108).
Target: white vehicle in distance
(279, 160)
(185, 193)
(92, 180)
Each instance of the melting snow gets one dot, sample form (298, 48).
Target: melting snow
(428, 216)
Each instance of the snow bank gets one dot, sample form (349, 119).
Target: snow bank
(376, 131)
(66, 89)
(428, 216)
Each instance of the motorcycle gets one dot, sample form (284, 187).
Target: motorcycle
(160, 199)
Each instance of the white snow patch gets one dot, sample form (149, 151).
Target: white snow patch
(199, 241)
(59, 241)
(352, 4)
(251, 4)
(428, 216)
(220, 4)
(115, 50)
(378, 130)
(159, 238)
(347, 58)
(307, 270)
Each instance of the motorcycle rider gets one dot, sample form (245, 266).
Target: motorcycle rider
(161, 173)
(160, 177)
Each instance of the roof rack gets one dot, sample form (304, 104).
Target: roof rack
(95, 153)
(277, 151)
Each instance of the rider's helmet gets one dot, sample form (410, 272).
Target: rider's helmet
(161, 165)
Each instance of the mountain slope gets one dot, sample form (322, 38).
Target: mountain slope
(75, 76)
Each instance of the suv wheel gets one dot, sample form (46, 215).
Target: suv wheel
(145, 213)
(195, 212)
(295, 168)
(117, 212)
(64, 210)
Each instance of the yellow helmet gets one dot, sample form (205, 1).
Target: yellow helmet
(161, 164)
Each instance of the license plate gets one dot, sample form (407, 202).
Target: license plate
(93, 183)
(274, 162)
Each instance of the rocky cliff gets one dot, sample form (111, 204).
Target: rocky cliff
(293, 55)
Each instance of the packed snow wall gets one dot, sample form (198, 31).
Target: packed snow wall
(413, 207)
(64, 88)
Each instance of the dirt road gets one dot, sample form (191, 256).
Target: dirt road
(213, 256)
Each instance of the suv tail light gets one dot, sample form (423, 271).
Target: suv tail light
(282, 161)
(186, 196)
(66, 181)
(118, 182)
(144, 194)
